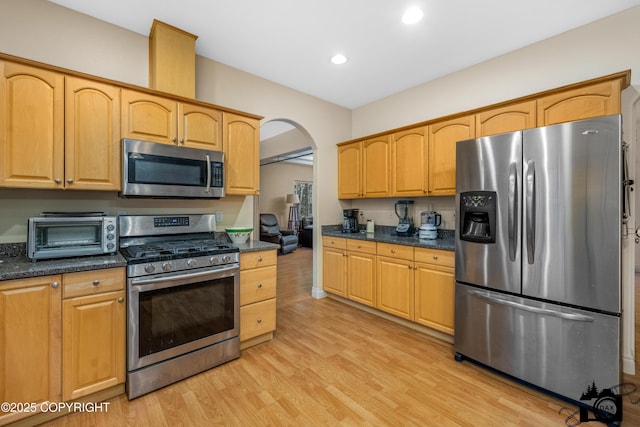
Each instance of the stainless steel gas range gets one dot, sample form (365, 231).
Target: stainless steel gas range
(183, 313)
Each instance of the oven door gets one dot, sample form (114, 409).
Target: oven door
(176, 313)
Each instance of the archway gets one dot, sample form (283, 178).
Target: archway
(287, 153)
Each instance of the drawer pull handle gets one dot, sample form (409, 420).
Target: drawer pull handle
(96, 282)
(435, 257)
(259, 259)
(55, 285)
(393, 251)
(120, 300)
(259, 320)
(259, 285)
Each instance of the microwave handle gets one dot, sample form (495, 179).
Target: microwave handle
(208, 174)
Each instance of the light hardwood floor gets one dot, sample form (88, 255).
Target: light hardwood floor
(330, 364)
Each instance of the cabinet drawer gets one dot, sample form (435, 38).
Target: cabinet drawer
(334, 242)
(395, 251)
(257, 284)
(257, 319)
(435, 256)
(361, 246)
(250, 260)
(93, 282)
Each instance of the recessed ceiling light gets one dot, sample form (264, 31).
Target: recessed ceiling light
(412, 15)
(339, 59)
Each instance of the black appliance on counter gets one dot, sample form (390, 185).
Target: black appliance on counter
(350, 223)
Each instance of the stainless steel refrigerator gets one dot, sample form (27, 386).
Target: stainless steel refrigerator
(538, 255)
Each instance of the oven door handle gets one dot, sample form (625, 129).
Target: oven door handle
(179, 276)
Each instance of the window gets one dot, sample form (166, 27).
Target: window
(304, 190)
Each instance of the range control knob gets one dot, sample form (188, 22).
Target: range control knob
(192, 262)
(226, 258)
(214, 260)
(166, 266)
(149, 268)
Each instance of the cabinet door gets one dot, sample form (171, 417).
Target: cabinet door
(394, 286)
(435, 297)
(376, 167)
(361, 278)
(31, 127)
(149, 118)
(242, 154)
(200, 127)
(599, 99)
(93, 338)
(334, 271)
(29, 342)
(442, 153)
(409, 162)
(506, 119)
(350, 171)
(92, 135)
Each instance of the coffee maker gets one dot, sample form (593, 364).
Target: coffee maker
(429, 225)
(350, 223)
(404, 211)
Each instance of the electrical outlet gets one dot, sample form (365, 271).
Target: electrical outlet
(219, 216)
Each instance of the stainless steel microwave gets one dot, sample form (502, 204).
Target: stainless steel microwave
(166, 171)
(61, 235)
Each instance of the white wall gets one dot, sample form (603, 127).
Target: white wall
(281, 178)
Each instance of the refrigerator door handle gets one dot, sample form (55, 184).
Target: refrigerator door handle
(513, 210)
(519, 306)
(531, 211)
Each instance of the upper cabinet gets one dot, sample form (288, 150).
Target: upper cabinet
(31, 127)
(409, 162)
(364, 168)
(509, 118)
(601, 99)
(442, 152)
(241, 154)
(92, 135)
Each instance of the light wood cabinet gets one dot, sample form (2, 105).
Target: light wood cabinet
(258, 280)
(93, 332)
(364, 168)
(593, 100)
(30, 342)
(242, 154)
(409, 162)
(334, 265)
(434, 289)
(158, 119)
(442, 153)
(508, 118)
(361, 271)
(350, 171)
(31, 127)
(92, 135)
(394, 281)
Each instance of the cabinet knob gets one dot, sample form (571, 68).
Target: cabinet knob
(393, 251)
(96, 282)
(181, 140)
(55, 285)
(70, 180)
(173, 139)
(435, 257)
(120, 300)
(57, 180)
(259, 320)
(259, 285)
(259, 259)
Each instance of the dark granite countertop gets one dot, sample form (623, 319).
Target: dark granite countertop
(14, 263)
(386, 234)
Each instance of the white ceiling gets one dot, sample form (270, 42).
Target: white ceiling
(291, 41)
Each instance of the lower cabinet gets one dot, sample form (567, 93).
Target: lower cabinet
(415, 284)
(434, 289)
(61, 337)
(258, 279)
(30, 348)
(93, 332)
